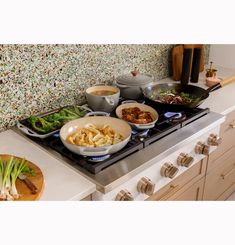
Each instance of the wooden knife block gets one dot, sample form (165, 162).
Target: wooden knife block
(177, 59)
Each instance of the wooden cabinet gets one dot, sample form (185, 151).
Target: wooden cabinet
(211, 179)
(192, 193)
(188, 186)
(227, 133)
(220, 181)
(220, 174)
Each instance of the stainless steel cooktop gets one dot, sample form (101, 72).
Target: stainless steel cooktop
(148, 152)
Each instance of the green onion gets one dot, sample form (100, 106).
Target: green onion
(9, 171)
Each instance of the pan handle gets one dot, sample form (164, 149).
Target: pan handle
(94, 151)
(97, 113)
(227, 81)
(129, 101)
(26, 131)
(144, 126)
(213, 88)
(221, 84)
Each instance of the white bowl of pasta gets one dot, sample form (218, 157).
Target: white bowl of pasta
(95, 136)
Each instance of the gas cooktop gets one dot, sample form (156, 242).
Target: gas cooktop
(168, 123)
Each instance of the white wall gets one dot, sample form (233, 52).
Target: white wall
(223, 55)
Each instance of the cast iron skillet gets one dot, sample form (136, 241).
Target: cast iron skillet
(151, 92)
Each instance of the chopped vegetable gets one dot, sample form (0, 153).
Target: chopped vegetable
(174, 97)
(9, 171)
(56, 120)
(41, 125)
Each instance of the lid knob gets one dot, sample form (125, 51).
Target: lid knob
(135, 72)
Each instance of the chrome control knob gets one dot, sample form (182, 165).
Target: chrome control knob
(201, 148)
(145, 185)
(214, 140)
(124, 195)
(185, 160)
(169, 170)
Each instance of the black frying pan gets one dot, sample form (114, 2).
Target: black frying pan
(199, 94)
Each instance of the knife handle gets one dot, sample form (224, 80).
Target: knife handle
(31, 186)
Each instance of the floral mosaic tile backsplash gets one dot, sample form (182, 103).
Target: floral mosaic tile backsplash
(38, 78)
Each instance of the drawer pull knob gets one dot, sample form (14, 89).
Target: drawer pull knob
(232, 125)
(169, 192)
(223, 176)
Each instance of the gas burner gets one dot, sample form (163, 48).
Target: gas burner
(98, 158)
(56, 135)
(141, 135)
(175, 116)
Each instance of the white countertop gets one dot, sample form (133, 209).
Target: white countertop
(61, 182)
(222, 100)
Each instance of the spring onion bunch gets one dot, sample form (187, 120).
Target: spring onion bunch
(9, 171)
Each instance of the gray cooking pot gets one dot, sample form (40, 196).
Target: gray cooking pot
(105, 103)
(130, 84)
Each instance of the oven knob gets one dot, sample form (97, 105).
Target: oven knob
(214, 140)
(145, 185)
(169, 170)
(201, 148)
(185, 160)
(124, 195)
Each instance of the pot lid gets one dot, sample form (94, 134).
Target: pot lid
(135, 78)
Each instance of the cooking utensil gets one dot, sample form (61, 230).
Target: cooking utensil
(102, 102)
(211, 72)
(24, 126)
(37, 179)
(29, 183)
(152, 92)
(142, 107)
(116, 124)
(130, 84)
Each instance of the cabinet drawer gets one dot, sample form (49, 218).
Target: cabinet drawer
(222, 178)
(185, 180)
(227, 133)
(227, 125)
(193, 193)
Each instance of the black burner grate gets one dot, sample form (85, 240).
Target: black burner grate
(94, 167)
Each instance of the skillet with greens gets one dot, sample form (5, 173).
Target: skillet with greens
(174, 97)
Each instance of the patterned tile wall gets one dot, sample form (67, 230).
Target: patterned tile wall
(38, 78)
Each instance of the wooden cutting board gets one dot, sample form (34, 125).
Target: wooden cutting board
(37, 180)
(177, 59)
